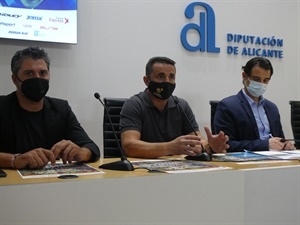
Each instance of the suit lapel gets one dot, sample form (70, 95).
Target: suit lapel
(249, 113)
(268, 113)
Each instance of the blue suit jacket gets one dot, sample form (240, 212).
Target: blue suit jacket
(235, 118)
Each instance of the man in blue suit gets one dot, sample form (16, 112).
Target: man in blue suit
(251, 121)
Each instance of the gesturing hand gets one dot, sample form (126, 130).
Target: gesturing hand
(217, 142)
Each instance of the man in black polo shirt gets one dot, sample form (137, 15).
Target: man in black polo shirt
(153, 124)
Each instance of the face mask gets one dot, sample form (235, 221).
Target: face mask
(256, 88)
(34, 88)
(161, 90)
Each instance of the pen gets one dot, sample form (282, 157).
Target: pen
(293, 142)
(284, 140)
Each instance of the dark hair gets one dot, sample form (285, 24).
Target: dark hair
(257, 61)
(157, 59)
(33, 52)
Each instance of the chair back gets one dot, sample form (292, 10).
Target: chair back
(114, 107)
(213, 107)
(295, 121)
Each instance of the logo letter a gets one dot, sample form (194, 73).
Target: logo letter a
(206, 34)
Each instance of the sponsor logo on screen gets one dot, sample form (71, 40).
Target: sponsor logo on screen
(10, 15)
(59, 20)
(17, 32)
(39, 18)
(7, 24)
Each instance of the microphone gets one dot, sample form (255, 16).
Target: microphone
(124, 164)
(204, 156)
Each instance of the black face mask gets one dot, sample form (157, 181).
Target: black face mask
(34, 88)
(161, 90)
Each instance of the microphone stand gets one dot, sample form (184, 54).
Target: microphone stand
(124, 164)
(204, 156)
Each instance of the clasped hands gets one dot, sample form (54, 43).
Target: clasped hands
(40, 157)
(277, 143)
(193, 145)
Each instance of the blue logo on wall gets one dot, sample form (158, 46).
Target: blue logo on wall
(205, 29)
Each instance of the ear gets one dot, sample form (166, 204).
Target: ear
(146, 80)
(245, 76)
(14, 79)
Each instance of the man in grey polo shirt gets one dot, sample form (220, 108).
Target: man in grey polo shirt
(153, 123)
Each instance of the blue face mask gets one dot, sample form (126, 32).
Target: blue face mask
(256, 89)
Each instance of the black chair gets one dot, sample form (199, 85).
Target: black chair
(114, 107)
(295, 121)
(213, 107)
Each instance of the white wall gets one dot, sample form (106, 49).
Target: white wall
(116, 39)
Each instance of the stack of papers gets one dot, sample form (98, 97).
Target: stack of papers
(292, 154)
(256, 156)
(239, 157)
(176, 166)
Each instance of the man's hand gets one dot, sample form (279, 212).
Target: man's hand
(186, 145)
(217, 142)
(34, 159)
(69, 151)
(288, 146)
(275, 143)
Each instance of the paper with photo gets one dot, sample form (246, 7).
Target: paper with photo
(177, 166)
(59, 169)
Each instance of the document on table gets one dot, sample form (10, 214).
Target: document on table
(58, 170)
(240, 157)
(289, 154)
(176, 166)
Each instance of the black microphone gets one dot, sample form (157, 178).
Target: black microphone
(204, 156)
(124, 164)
